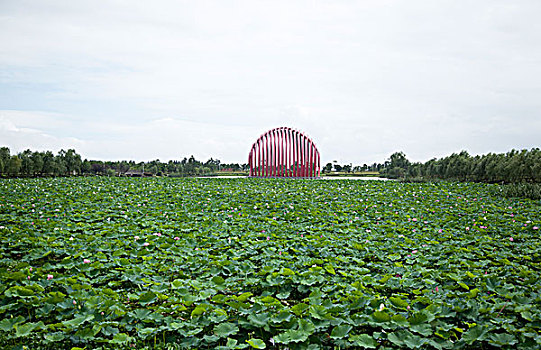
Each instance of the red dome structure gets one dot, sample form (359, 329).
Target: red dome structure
(284, 152)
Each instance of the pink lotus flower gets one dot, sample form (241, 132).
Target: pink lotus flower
(30, 268)
(440, 230)
(268, 238)
(136, 237)
(74, 302)
(86, 261)
(535, 228)
(437, 290)
(157, 234)
(177, 238)
(49, 277)
(511, 239)
(146, 244)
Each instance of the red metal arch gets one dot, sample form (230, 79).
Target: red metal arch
(284, 152)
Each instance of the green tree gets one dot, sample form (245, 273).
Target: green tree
(397, 166)
(86, 167)
(14, 166)
(49, 163)
(4, 159)
(27, 164)
(37, 159)
(60, 168)
(327, 168)
(72, 162)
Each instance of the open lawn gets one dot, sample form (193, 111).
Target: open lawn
(266, 263)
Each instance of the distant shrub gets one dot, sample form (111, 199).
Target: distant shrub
(520, 190)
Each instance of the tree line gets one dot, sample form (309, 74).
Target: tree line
(348, 168)
(516, 166)
(522, 166)
(68, 163)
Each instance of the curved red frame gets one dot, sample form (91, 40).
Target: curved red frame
(284, 152)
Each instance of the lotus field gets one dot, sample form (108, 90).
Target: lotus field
(112, 263)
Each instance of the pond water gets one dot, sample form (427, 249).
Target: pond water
(321, 178)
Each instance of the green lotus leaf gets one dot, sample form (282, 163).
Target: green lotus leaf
(282, 316)
(8, 324)
(502, 339)
(380, 316)
(364, 341)
(54, 337)
(147, 298)
(417, 318)
(218, 280)
(341, 331)
(259, 320)
(398, 302)
(299, 309)
(474, 334)
(256, 343)
(225, 329)
(22, 330)
(120, 338)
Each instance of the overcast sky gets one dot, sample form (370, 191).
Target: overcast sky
(146, 80)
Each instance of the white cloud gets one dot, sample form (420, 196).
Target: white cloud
(364, 79)
(17, 137)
